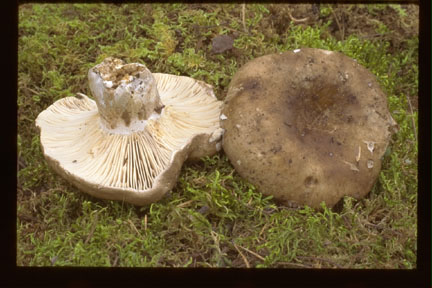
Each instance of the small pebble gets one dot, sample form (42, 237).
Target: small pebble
(53, 260)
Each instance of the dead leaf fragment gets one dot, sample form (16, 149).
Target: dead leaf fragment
(222, 43)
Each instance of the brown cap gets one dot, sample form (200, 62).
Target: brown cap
(306, 126)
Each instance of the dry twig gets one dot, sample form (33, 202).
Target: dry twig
(145, 222)
(92, 229)
(241, 254)
(262, 230)
(244, 16)
(115, 261)
(134, 227)
(253, 253)
(185, 204)
(31, 90)
(341, 29)
(295, 20)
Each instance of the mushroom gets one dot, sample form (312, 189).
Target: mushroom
(296, 124)
(131, 142)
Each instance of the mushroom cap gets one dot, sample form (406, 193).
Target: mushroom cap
(306, 126)
(137, 167)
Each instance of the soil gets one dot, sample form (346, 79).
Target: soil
(349, 19)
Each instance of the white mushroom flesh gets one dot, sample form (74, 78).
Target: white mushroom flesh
(73, 137)
(179, 121)
(126, 95)
(131, 157)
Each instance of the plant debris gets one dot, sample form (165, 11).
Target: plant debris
(222, 43)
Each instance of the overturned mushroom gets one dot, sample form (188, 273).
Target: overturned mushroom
(131, 142)
(296, 124)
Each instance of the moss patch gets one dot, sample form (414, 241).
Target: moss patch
(212, 218)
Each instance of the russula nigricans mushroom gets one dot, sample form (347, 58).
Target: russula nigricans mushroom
(131, 142)
(306, 126)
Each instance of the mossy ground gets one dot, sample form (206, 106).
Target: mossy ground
(212, 218)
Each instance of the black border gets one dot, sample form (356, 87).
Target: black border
(232, 277)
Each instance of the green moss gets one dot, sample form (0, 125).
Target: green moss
(212, 213)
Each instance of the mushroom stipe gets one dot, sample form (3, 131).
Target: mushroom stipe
(131, 142)
(296, 124)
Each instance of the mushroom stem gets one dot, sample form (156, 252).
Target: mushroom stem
(125, 94)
